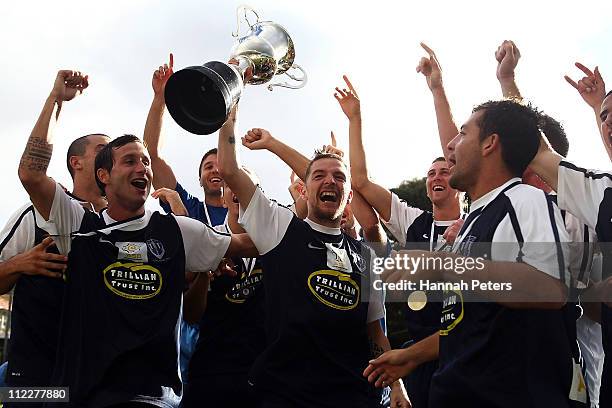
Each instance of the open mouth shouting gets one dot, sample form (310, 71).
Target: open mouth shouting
(328, 196)
(438, 187)
(140, 184)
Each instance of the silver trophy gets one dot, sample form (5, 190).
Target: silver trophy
(199, 98)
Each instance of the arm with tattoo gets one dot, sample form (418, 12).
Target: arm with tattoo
(39, 148)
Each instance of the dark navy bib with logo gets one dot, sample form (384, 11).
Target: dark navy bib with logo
(35, 320)
(232, 329)
(118, 339)
(493, 356)
(316, 323)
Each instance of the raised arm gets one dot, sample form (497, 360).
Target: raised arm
(37, 154)
(376, 195)
(258, 139)
(507, 56)
(430, 68)
(162, 172)
(296, 189)
(592, 89)
(546, 164)
(236, 178)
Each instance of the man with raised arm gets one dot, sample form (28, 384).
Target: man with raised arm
(412, 227)
(118, 334)
(490, 334)
(36, 279)
(587, 194)
(209, 211)
(322, 313)
(584, 334)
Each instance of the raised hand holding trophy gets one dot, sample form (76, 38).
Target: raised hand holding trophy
(199, 98)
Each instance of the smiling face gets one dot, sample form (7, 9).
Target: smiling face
(210, 179)
(465, 157)
(438, 189)
(328, 190)
(128, 183)
(606, 119)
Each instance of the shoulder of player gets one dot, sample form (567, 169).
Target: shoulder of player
(528, 198)
(587, 173)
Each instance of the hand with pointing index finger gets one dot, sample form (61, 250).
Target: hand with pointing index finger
(430, 68)
(591, 87)
(348, 100)
(333, 149)
(160, 77)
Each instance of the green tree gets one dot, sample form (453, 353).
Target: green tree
(414, 193)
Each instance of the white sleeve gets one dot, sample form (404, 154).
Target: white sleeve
(544, 237)
(18, 234)
(581, 191)
(65, 217)
(265, 221)
(204, 247)
(402, 217)
(376, 305)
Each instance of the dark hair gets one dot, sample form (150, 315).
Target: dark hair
(516, 125)
(438, 159)
(105, 160)
(208, 153)
(608, 94)
(77, 148)
(319, 155)
(554, 132)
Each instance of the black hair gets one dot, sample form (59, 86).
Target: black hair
(77, 148)
(208, 153)
(320, 154)
(516, 124)
(554, 132)
(438, 159)
(105, 160)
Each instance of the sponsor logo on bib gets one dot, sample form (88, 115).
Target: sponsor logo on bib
(132, 251)
(334, 289)
(452, 311)
(133, 280)
(245, 288)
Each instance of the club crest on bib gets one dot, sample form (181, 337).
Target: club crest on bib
(334, 289)
(156, 248)
(133, 280)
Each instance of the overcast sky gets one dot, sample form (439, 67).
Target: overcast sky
(119, 44)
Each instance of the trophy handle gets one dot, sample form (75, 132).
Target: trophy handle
(245, 8)
(301, 80)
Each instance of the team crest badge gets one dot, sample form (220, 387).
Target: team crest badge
(156, 248)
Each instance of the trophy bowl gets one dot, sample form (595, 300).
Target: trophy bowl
(199, 98)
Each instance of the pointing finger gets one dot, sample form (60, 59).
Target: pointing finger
(333, 139)
(584, 69)
(571, 82)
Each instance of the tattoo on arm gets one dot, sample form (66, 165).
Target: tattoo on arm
(37, 155)
(231, 139)
(375, 349)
